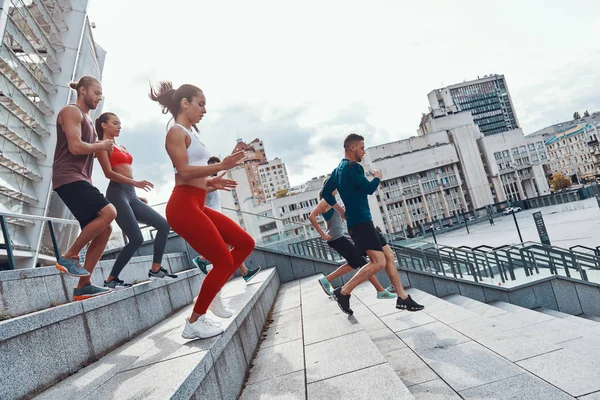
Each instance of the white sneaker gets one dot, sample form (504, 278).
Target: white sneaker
(201, 329)
(218, 307)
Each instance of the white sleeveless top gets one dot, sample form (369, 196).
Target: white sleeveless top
(197, 153)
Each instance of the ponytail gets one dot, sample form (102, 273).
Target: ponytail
(102, 119)
(170, 99)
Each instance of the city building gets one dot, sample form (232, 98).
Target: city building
(487, 99)
(514, 165)
(45, 45)
(254, 155)
(572, 152)
(273, 177)
(451, 168)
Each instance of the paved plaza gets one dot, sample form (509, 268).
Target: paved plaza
(569, 224)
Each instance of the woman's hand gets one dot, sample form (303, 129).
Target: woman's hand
(232, 160)
(221, 183)
(147, 186)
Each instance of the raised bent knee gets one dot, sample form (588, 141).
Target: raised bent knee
(108, 213)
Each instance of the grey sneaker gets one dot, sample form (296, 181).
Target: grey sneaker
(391, 289)
(71, 267)
(88, 291)
(161, 274)
(117, 284)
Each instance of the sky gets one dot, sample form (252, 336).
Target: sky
(302, 75)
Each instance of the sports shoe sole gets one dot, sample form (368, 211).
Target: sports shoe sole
(325, 290)
(349, 311)
(89, 296)
(155, 278)
(252, 277)
(65, 271)
(406, 308)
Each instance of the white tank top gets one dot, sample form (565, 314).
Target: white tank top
(197, 153)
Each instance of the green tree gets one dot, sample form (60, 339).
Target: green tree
(586, 113)
(559, 182)
(576, 115)
(281, 193)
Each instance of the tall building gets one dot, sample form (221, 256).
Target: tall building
(487, 99)
(45, 45)
(449, 169)
(254, 155)
(273, 177)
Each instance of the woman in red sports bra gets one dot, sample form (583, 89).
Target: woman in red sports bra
(131, 209)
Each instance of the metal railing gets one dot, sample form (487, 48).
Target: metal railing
(10, 246)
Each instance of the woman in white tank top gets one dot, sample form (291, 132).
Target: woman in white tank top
(208, 232)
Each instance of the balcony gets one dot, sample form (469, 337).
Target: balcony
(19, 44)
(9, 189)
(24, 20)
(24, 117)
(47, 23)
(21, 77)
(28, 172)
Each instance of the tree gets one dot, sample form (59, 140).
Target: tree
(576, 115)
(586, 113)
(559, 182)
(281, 193)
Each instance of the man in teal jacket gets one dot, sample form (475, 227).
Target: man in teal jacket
(352, 185)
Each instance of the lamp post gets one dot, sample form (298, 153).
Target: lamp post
(517, 225)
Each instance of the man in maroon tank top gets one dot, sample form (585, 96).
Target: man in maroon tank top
(76, 143)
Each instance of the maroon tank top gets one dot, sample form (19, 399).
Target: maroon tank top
(67, 167)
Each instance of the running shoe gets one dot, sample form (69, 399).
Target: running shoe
(71, 266)
(251, 274)
(408, 304)
(160, 274)
(218, 308)
(386, 295)
(201, 329)
(117, 284)
(202, 264)
(326, 286)
(88, 291)
(343, 301)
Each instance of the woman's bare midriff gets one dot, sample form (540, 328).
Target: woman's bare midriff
(124, 169)
(197, 182)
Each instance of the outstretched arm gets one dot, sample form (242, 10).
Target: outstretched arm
(358, 178)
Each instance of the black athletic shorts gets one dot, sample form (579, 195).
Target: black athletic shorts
(346, 249)
(83, 200)
(366, 237)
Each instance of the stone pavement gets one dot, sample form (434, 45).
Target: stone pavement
(456, 348)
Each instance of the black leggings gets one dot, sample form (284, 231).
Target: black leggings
(130, 210)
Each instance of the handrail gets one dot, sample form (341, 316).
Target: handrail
(49, 220)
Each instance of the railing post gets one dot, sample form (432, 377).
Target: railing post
(9, 250)
(54, 242)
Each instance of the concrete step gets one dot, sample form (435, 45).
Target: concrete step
(25, 291)
(460, 352)
(312, 350)
(582, 319)
(160, 364)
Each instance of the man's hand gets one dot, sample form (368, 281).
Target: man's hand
(377, 174)
(106, 144)
(220, 183)
(326, 237)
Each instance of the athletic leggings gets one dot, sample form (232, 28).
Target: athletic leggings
(130, 210)
(209, 233)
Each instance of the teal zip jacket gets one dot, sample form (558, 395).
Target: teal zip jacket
(352, 185)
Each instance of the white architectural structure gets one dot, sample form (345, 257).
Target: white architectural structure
(273, 177)
(451, 168)
(514, 165)
(45, 45)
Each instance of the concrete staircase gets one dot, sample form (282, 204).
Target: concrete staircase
(457, 348)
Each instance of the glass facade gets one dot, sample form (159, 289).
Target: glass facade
(489, 103)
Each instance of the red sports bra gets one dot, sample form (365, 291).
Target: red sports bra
(120, 157)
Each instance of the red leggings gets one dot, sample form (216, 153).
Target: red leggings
(208, 232)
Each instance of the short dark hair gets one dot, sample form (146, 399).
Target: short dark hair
(351, 139)
(214, 160)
